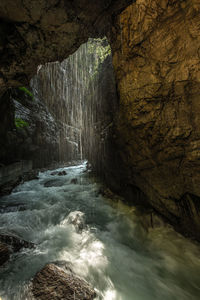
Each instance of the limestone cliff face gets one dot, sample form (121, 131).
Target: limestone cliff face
(156, 57)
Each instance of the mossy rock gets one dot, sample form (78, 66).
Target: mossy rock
(20, 123)
(26, 91)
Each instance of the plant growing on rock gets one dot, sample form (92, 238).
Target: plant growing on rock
(20, 123)
(26, 91)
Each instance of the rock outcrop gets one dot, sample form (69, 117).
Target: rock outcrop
(52, 283)
(156, 57)
(31, 131)
(16, 243)
(13, 174)
(10, 243)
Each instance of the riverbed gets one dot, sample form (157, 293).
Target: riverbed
(108, 247)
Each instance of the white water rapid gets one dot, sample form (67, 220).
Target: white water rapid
(107, 247)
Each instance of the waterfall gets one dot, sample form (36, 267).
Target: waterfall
(71, 92)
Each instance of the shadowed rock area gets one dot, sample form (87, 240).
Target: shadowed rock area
(35, 32)
(10, 243)
(15, 242)
(4, 253)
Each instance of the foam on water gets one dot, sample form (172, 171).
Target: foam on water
(102, 241)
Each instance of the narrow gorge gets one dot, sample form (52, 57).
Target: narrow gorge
(99, 150)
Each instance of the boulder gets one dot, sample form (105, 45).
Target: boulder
(61, 173)
(54, 173)
(4, 253)
(15, 242)
(77, 218)
(52, 283)
(74, 181)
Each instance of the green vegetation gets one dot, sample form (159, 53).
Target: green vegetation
(19, 123)
(26, 91)
(99, 49)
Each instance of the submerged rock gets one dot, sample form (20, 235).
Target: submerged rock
(61, 173)
(4, 253)
(52, 283)
(74, 180)
(54, 173)
(10, 243)
(106, 192)
(77, 218)
(11, 207)
(54, 182)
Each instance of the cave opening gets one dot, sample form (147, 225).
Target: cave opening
(68, 113)
(80, 94)
(114, 233)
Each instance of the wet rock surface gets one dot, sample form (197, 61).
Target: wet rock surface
(62, 173)
(53, 283)
(14, 242)
(6, 189)
(10, 243)
(74, 181)
(4, 253)
(14, 174)
(54, 182)
(77, 219)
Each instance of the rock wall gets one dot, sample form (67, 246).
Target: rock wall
(55, 84)
(29, 131)
(35, 32)
(156, 57)
(155, 45)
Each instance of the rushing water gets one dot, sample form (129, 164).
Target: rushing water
(112, 251)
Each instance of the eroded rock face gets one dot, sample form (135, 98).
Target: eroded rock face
(156, 56)
(53, 283)
(35, 32)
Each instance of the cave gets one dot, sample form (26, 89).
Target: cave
(99, 149)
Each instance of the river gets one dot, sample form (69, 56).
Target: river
(110, 250)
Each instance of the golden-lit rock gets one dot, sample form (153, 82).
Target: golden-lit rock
(156, 57)
(53, 283)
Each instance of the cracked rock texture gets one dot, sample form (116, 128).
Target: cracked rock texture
(156, 57)
(53, 283)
